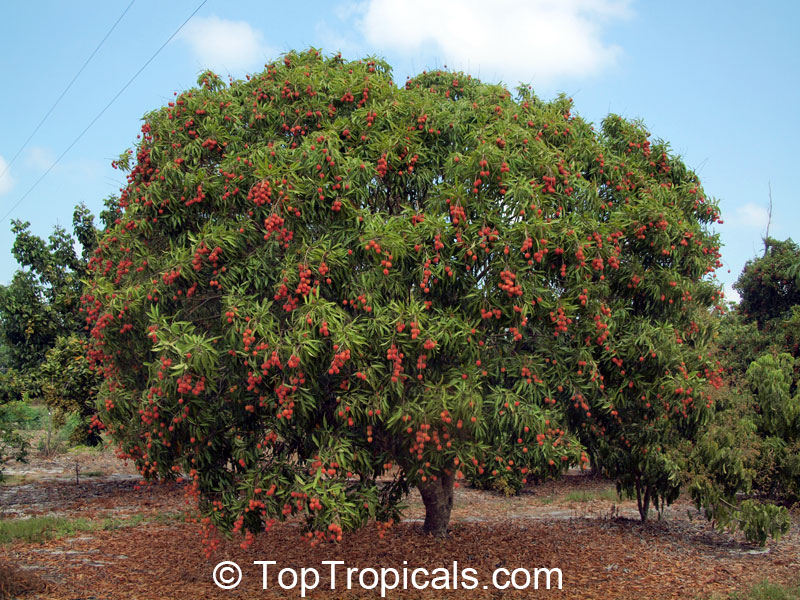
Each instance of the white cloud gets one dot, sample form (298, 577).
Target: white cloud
(751, 215)
(333, 38)
(40, 158)
(6, 181)
(226, 46)
(533, 41)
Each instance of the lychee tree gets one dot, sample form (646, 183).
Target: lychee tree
(323, 290)
(656, 374)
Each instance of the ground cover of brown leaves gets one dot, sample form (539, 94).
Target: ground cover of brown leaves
(573, 525)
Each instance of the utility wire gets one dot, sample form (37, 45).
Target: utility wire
(66, 89)
(100, 114)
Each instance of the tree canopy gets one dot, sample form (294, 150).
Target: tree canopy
(768, 285)
(42, 332)
(322, 290)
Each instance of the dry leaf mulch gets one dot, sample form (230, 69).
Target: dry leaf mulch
(599, 556)
(97, 498)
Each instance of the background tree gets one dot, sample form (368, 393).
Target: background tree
(13, 445)
(773, 381)
(325, 290)
(69, 385)
(652, 397)
(768, 285)
(29, 326)
(746, 460)
(40, 312)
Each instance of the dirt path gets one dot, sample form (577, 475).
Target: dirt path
(574, 525)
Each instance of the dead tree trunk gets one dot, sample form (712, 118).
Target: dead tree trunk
(438, 499)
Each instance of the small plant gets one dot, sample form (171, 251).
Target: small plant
(60, 433)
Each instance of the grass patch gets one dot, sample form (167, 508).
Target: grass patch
(40, 529)
(768, 591)
(589, 495)
(9, 480)
(84, 449)
(91, 473)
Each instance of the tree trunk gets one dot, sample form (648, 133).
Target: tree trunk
(643, 500)
(438, 499)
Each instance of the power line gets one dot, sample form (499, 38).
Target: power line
(100, 114)
(66, 89)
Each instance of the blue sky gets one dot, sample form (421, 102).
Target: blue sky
(718, 79)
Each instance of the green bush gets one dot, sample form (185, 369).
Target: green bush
(14, 417)
(69, 385)
(28, 416)
(736, 472)
(773, 382)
